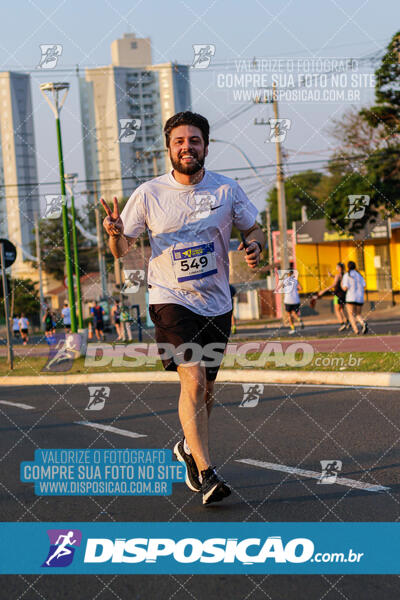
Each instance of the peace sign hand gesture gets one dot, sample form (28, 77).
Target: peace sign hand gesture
(112, 222)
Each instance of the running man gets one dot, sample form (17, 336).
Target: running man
(66, 315)
(23, 328)
(15, 326)
(188, 276)
(291, 288)
(353, 283)
(98, 313)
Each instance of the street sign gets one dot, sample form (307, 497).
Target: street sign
(66, 281)
(10, 252)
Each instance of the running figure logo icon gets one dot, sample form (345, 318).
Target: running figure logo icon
(54, 204)
(132, 281)
(63, 543)
(204, 204)
(62, 356)
(128, 130)
(98, 394)
(202, 55)
(50, 55)
(251, 394)
(330, 470)
(279, 129)
(357, 206)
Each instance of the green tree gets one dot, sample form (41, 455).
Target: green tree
(369, 152)
(299, 191)
(25, 294)
(52, 249)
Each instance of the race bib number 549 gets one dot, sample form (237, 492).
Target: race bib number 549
(194, 262)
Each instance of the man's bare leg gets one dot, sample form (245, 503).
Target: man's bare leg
(194, 410)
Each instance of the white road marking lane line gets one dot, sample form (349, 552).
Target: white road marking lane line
(353, 483)
(18, 404)
(111, 429)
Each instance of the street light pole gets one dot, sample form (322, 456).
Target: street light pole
(39, 259)
(56, 106)
(71, 179)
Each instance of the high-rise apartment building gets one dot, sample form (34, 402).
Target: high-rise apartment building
(123, 108)
(19, 193)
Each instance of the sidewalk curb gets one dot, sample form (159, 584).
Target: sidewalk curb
(355, 379)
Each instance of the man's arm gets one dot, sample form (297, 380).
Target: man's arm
(256, 239)
(120, 244)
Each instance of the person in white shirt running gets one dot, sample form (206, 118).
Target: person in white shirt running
(353, 283)
(23, 327)
(66, 314)
(189, 213)
(15, 326)
(290, 288)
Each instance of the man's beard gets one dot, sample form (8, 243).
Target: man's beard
(188, 169)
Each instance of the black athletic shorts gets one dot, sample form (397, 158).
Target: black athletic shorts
(99, 325)
(292, 308)
(355, 303)
(177, 325)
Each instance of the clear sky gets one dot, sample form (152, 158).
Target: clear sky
(239, 30)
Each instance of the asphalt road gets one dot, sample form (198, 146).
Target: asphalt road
(294, 426)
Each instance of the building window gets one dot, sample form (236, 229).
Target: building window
(133, 45)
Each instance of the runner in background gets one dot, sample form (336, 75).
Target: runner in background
(353, 283)
(48, 323)
(291, 288)
(125, 324)
(339, 298)
(66, 315)
(23, 327)
(15, 326)
(98, 311)
(116, 319)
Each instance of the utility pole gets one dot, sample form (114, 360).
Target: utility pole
(39, 259)
(10, 352)
(269, 237)
(100, 244)
(280, 187)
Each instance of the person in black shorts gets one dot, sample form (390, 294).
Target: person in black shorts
(189, 213)
(98, 312)
(48, 323)
(339, 298)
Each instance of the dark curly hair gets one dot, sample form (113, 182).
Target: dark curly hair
(187, 118)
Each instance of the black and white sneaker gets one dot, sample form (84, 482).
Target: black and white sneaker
(192, 473)
(364, 329)
(212, 488)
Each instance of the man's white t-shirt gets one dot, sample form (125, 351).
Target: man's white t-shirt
(66, 313)
(355, 284)
(23, 322)
(189, 230)
(15, 324)
(290, 289)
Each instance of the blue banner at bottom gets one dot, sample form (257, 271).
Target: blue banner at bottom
(199, 548)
